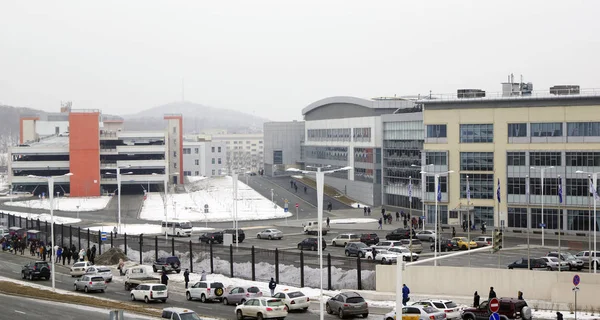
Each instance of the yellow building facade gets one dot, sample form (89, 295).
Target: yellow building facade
(507, 142)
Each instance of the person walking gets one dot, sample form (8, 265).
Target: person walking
(186, 277)
(380, 220)
(121, 267)
(405, 293)
(405, 222)
(88, 254)
(59, 252)
(559, 315)
(203, 276)
(520, 295)
(365, 210)
(327, 222)
(397, 216)
(43, 252)
(272, 286)
(305, 189)
(476, 298)
(492, 293)
(453, 232)
(369, 210)
(93, 254)
(164, 279)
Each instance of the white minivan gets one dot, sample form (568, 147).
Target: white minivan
(150, 292)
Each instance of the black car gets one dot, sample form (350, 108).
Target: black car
(358, 249)
(446, 245)
(212, 237)
(36, 270)
(369, 238)
(399, 234)
(167, 264)
(311, 244)
(232, 232)
(534, 264)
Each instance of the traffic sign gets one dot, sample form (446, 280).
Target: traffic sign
(297, 205)
(542, 225)
(576, 280)
(494, 305)
(494, 316)
(103, 236)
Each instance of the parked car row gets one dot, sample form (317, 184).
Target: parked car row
(427, 309)
(553, 261)
(217, 236)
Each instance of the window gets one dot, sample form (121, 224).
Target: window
(196, 173)
(362, 174)
(197, 162)
(436, 158)
(484, 214)
(187, 173)
(550, 186)
(436, 131)
(212, 149)
(476, 133)
(277, 157)
(546, 129)
(219, 149)
(550, 218)
(581, 220)
(544, 159)
(482, 186)
(175, 154)
(516, 186)
(583, 159)
(430, 184)
(213, 160)
(477, 161)
(517, 217)
(517, 129)
(196, 150)
(213, 172)
(219, 161)
(187, 151)
(583, 129)
(515, 158)
(577, 187)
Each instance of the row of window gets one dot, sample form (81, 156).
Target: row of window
(327, 153)
(481, 186)
(477, 161)
(483, 133)
(364, 155)
(572, 159)
(578, 220)
(339, 134)
(197, 150)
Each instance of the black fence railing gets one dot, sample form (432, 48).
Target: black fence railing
(289, 266)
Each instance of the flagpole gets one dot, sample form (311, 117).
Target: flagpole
(437, 184)
(410, 215)
(560, 200)
(498, 211)
(528, 222)
(469, 220)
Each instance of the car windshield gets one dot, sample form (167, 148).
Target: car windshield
(79, 264)
(354, 236)
(451, 304)
(103, 270)
(189, 316)
(185, 225)
(430, 310)
(216, 285)
(361, 245)
(97, 279)
(253, 290)
(159, 288)
(355, 300)
(274, 303)
(295, 294)
(569, 256)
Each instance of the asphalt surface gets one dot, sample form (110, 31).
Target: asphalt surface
(32, 309)
(10, 266)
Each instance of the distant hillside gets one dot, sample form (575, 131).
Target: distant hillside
(196, 117)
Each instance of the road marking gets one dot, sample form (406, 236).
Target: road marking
(21, 312)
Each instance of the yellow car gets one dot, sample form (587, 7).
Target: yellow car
(463, 243)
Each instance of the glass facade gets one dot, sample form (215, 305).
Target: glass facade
(516, 185)
(515, 159)
(476, 133)
(547, 129)
(361, 134)
(482, 186)
(430, 184)
(550, 186)
(582, 220)
(517, 217)
(482, 214)
(436, 131)
(550, 218)
(437, 158)
(338, 134)
(327, 153)
(442, 217)
(545, 159)
(277, 157)
(477, 161)
(517, 129)
(583, 129)
(582, 159)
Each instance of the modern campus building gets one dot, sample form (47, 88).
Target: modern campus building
(92, 146)
(242, 150)
(505, 141)
(284, 142)
(204, 158)
(348, 131)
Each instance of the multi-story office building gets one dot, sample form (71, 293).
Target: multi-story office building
(91, 147)
(283, 146)
(204, 158)
(347, 131)
(505, 141)
(242, 150)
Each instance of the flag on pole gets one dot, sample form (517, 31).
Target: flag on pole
(593, 190)
(527, 189)
(439, 190)
(468, 191)
(560, 191)
(410, 189)
(498, 192)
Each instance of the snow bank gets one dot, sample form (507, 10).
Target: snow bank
(64, 203)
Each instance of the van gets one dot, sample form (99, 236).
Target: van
(312, 227)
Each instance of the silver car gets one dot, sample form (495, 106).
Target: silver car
(347, 304)
(426, 235)
(270, 234)
(102, 271)
(239, 295)
(89, 283)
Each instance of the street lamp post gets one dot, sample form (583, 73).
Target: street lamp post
(423, 176)
(119, 195)
(51, 193)
(594, 191)
(437, 247)
(542, 170)
(320, 179)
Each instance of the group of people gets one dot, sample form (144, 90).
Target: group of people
(43, 251)
(294, 186)
(386, 218)
(13, 244)
(491, 295)
(465, 225)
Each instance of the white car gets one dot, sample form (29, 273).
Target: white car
(382, 255)
(386, 244)
(553, 263)
(262, 308)
(404, 253)
(451, 309)
(294, 300)
(344, 238)
(270, 234)
(150, 292)
(426, 235)
(102, 271)
(179, 314)
(417, 312)
(79, 268)
(206, 291)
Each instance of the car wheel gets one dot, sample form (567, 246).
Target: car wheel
(225, 302)
(188, 296)
(164, 300)
(365, 315)
(31, 277)
(430, 239)
(239, 315)
(328, 309)
(464, 247)
(570, 268)
(510, 268)
(154, 268)
(345, 244)
(549, 268)
(259, 316)
(23, 275)
(203, 298)
(305, 308)
(132, 297)
(369, 258)
(270, 237)
(362, 254)
(75, 287)
(146, 300)
(299, 247)
(333, 244)
(347, 253)
(85, 289)
(102, 290)
(383, 261)
(258, 236)
(341, 313)
(468, 317)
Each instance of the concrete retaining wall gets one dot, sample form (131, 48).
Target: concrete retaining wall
(555, 287)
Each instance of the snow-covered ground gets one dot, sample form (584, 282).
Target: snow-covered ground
(142, 228)
(351, 220)
(64, 203)
(44, 217)
(217, 193)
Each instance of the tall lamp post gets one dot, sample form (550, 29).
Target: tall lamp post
(423, 190)
(118, 174)
(50, 180)
(542, 170)
(438, 197)
(320, 177)
(594, 191)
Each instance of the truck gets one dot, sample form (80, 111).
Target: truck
(137, 275)
(312, 227)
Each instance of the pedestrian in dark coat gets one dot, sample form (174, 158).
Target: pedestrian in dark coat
(88, 254)
(186, 277)
(397, 216)
(164, 279)
(93, 255)
(559, 316)
(492, 293)
(476, 298)
(68, 254)
(380, 220)
(327, 221)
(272, 286)
(405, 293)
(520, 295)
(369, 210)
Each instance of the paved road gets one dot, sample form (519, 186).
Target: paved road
(10, 266)
(32, 309)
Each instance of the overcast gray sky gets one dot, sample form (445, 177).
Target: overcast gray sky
(272, 58)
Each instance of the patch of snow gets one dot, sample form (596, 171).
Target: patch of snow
(358, 205)
(216, 192)
(64, 203)
(297, 177)
(351, 221)
(44, 217)
(142, 228)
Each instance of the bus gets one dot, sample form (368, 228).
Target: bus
(178, 228)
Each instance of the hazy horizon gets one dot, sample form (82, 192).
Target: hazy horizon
(272, 58)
